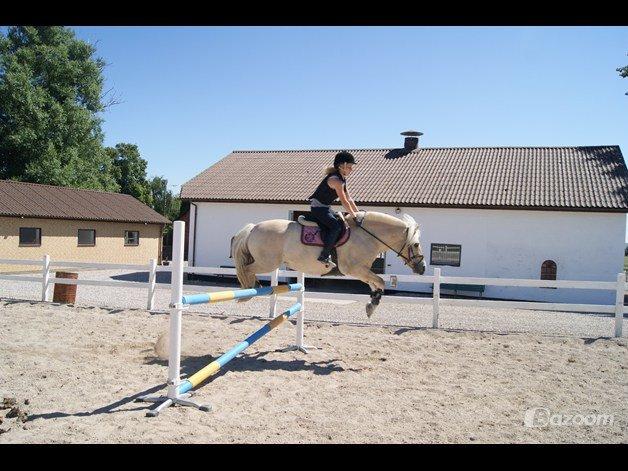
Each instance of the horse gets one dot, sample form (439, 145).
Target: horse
(263, 247)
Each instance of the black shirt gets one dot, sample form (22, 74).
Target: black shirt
(326, 194)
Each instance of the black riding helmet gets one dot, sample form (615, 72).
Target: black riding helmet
(344, 157)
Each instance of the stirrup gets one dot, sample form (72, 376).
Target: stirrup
(328, 262)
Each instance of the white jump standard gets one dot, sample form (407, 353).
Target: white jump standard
(179, 391)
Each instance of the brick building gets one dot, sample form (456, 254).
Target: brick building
(76, 225)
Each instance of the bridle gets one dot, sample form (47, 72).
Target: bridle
(412, 256)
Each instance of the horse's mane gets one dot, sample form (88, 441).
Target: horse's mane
(377, 217)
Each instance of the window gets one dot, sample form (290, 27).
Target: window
(86, 237)
(548, 271)
(131, 238)
(30, 236)
(445, 254)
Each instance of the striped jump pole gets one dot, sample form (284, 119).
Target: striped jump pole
(220, 296)
(211, 369)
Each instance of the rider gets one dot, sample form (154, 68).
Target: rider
(331, 188)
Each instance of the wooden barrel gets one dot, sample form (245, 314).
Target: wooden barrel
(65, 293)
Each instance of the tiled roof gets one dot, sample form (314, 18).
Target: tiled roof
(47, 201)
(577, 178)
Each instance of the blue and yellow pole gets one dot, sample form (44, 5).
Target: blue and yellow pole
(220, 296)
(221, 361)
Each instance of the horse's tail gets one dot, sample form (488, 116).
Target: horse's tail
(242, 257)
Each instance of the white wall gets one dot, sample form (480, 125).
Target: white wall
(217, 223)
(495, 244)
(514, 244)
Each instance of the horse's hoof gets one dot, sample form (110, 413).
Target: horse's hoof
(369, 310)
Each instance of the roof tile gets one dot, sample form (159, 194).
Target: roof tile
(588, 178)
(48, 201)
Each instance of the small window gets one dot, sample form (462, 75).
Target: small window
(86, 237)
(30, 236)
(131, 238)
(445, 254)
(548, 270)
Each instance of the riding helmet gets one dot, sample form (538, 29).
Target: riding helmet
(344, 157)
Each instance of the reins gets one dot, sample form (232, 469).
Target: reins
(399, 254)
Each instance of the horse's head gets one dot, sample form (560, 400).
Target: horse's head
(414, 254)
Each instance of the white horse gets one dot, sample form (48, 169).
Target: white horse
(263, 247)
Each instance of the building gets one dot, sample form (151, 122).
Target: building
(496, 212)
(76, 225)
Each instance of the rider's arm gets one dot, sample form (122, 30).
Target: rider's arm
(337, 185)
(349, 199)
(351, 202)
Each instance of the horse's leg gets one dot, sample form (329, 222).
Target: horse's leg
(375, 282)
(250, 274)
(376, 296)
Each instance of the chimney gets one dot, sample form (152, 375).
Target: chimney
(412, 140)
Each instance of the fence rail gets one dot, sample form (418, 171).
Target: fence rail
(618, 309)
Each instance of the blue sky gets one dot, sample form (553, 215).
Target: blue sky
(191, 95)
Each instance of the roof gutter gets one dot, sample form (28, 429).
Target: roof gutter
(194, 237)
(429, 205)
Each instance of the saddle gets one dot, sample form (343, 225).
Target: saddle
(312, 233)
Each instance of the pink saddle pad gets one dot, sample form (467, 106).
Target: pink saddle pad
(311, 235)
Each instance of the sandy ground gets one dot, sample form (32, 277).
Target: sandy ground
(76, 370)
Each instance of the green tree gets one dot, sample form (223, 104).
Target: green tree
(164, 202)
(129, 171)
(50, 97)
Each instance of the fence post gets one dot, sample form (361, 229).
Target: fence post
(619, 303)
(274, 281)
(301, 314)
(46, 277)
(152, 275)
(436, 295)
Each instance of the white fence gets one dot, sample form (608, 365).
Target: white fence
(152, 268)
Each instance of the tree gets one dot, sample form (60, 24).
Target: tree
(50, 97)
(129, 171)
(164, 202)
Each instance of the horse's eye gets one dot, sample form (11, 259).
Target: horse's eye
(416, 245)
